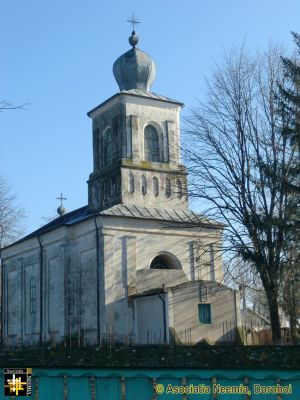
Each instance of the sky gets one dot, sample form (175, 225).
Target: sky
(57, 56)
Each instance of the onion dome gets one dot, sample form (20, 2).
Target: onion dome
(134, 69)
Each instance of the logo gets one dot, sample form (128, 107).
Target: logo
(17, 381)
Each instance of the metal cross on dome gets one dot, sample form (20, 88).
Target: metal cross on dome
(61, 198)
(133, 21)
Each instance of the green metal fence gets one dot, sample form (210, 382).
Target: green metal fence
(159, 384)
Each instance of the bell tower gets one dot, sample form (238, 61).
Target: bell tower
(136, 141)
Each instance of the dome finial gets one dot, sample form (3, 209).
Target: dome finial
(61, 209)
(133, 39)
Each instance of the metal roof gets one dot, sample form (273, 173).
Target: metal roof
(160, 214)
(137, 93)
(66, 219)
(129, 211)
(151, 95)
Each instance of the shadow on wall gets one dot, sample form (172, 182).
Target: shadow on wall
(148, 279)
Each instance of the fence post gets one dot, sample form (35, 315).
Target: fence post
(154, 382)
(246, 383)
(214, 382)
(93, 387)
(184, 383)
(123, 388)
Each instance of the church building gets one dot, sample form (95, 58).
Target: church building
(135, 262)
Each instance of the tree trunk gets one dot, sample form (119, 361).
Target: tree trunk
(293, 328)
(293, 311)
(274, 316)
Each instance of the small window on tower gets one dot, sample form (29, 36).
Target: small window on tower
(131, 183)
(155, 186)
(144, 185)
(168, 187)
(179, 189)
(151, 143)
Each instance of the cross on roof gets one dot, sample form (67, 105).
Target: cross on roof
(61, 198)
(133, 21)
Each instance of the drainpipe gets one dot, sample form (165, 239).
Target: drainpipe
(164, 316)
(41, 289)
(98, 279)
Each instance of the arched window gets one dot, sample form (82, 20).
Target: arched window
(202, 292)
(168, 187)
(32, 294)
(179, 188)
(130, 183)
(151, 143)
(165, 261)
(155, 186)
(144, 185)
(109, 148)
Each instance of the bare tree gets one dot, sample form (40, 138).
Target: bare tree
(5, 105)
(11, 216)
(239, 161)
(245, 275)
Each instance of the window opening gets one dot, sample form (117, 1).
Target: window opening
(179, 188)
(144, 185)
(202, 292)
(32, 294)
(131, 183)
(155, 186)
(165, 261)
(204, 313)
(151, 142)
(168, 187)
